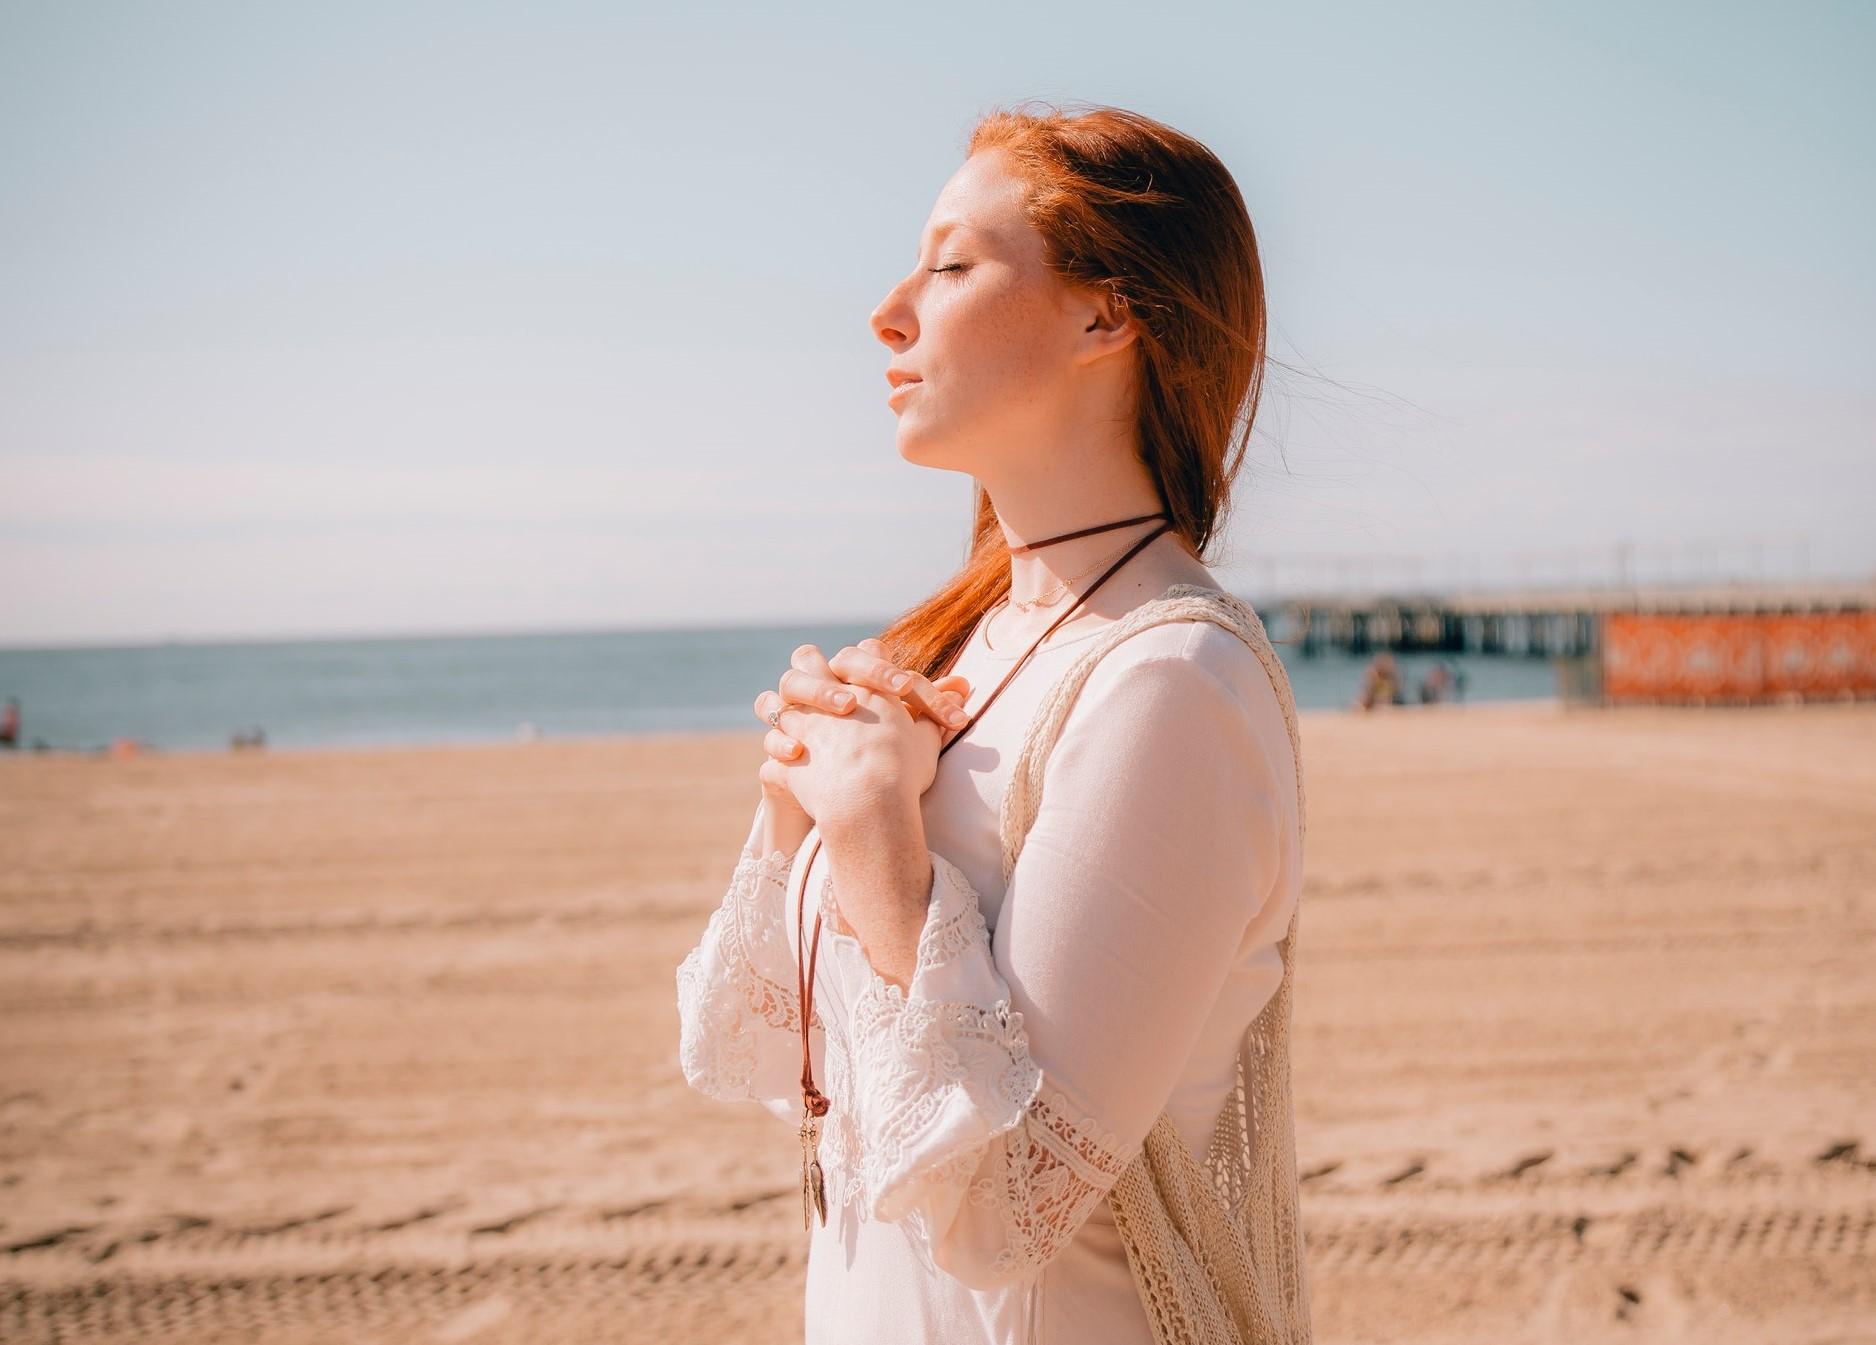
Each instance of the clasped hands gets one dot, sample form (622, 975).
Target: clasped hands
(849, 741)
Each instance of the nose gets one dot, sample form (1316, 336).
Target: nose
(893, 321)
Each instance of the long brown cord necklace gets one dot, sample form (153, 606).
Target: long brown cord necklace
(814, 1103)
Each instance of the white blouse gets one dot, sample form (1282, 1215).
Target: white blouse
(979, 1118)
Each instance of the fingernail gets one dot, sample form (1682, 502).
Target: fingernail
(842, 699)
(955, 716)
(898, 680)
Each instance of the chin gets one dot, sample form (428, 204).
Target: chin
(943, 449)
(922, 450)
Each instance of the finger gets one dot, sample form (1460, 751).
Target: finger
(769, 701)
(954, 689)
(810, 659)
(780, 746)
(818, 688)
(856, 665)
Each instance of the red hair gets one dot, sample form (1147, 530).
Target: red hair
(1127, 204)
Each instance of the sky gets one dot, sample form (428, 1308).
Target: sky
(356, 319)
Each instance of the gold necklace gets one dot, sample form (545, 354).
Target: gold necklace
(1048, 597)
(1040, 601)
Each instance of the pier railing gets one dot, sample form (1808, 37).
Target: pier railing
(1730, 643)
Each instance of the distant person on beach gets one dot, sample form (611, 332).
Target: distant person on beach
(1083, 336)
(1381, 683)
(10, 723)
(1443, 682)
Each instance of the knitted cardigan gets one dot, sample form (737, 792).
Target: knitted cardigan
(1216, 1249)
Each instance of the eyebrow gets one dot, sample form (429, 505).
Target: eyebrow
(942, 228)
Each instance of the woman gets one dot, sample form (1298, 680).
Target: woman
(1022, 980)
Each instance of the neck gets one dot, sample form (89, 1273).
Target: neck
(1076, 467)
(1075, 563)
(1082, 472)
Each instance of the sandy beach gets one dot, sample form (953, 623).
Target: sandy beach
(381, 1045)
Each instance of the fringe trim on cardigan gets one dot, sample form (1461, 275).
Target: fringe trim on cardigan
(1216, 1248)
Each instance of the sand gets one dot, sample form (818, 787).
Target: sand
(381, 1045)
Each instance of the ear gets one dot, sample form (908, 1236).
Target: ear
(1107, 324)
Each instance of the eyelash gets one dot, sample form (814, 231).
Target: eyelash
(954, 266)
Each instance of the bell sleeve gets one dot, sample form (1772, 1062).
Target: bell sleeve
(1001, 1095)
(739, 1006)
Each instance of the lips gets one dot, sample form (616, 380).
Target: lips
(901, 380)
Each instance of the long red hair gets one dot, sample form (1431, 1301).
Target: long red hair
(1128, 204)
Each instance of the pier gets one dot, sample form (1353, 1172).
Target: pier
(1730, 644)
(1557, 623)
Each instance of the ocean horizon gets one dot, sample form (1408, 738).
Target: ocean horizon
(459, 689)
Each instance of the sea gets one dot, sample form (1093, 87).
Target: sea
(346, 693)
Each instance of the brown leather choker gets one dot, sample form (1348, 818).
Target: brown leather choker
(814, 1103)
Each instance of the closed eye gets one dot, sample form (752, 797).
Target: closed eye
(954, 266)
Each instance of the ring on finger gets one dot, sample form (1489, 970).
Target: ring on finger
(775, 716)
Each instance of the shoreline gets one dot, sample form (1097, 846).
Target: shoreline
(1509, 705)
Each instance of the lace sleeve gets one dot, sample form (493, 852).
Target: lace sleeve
(997, 1100)
(739, 1009)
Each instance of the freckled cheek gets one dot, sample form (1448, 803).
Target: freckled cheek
(995, 338)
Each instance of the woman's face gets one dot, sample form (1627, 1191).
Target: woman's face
(989, 331)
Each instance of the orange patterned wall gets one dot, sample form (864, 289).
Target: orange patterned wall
(1674, 656)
